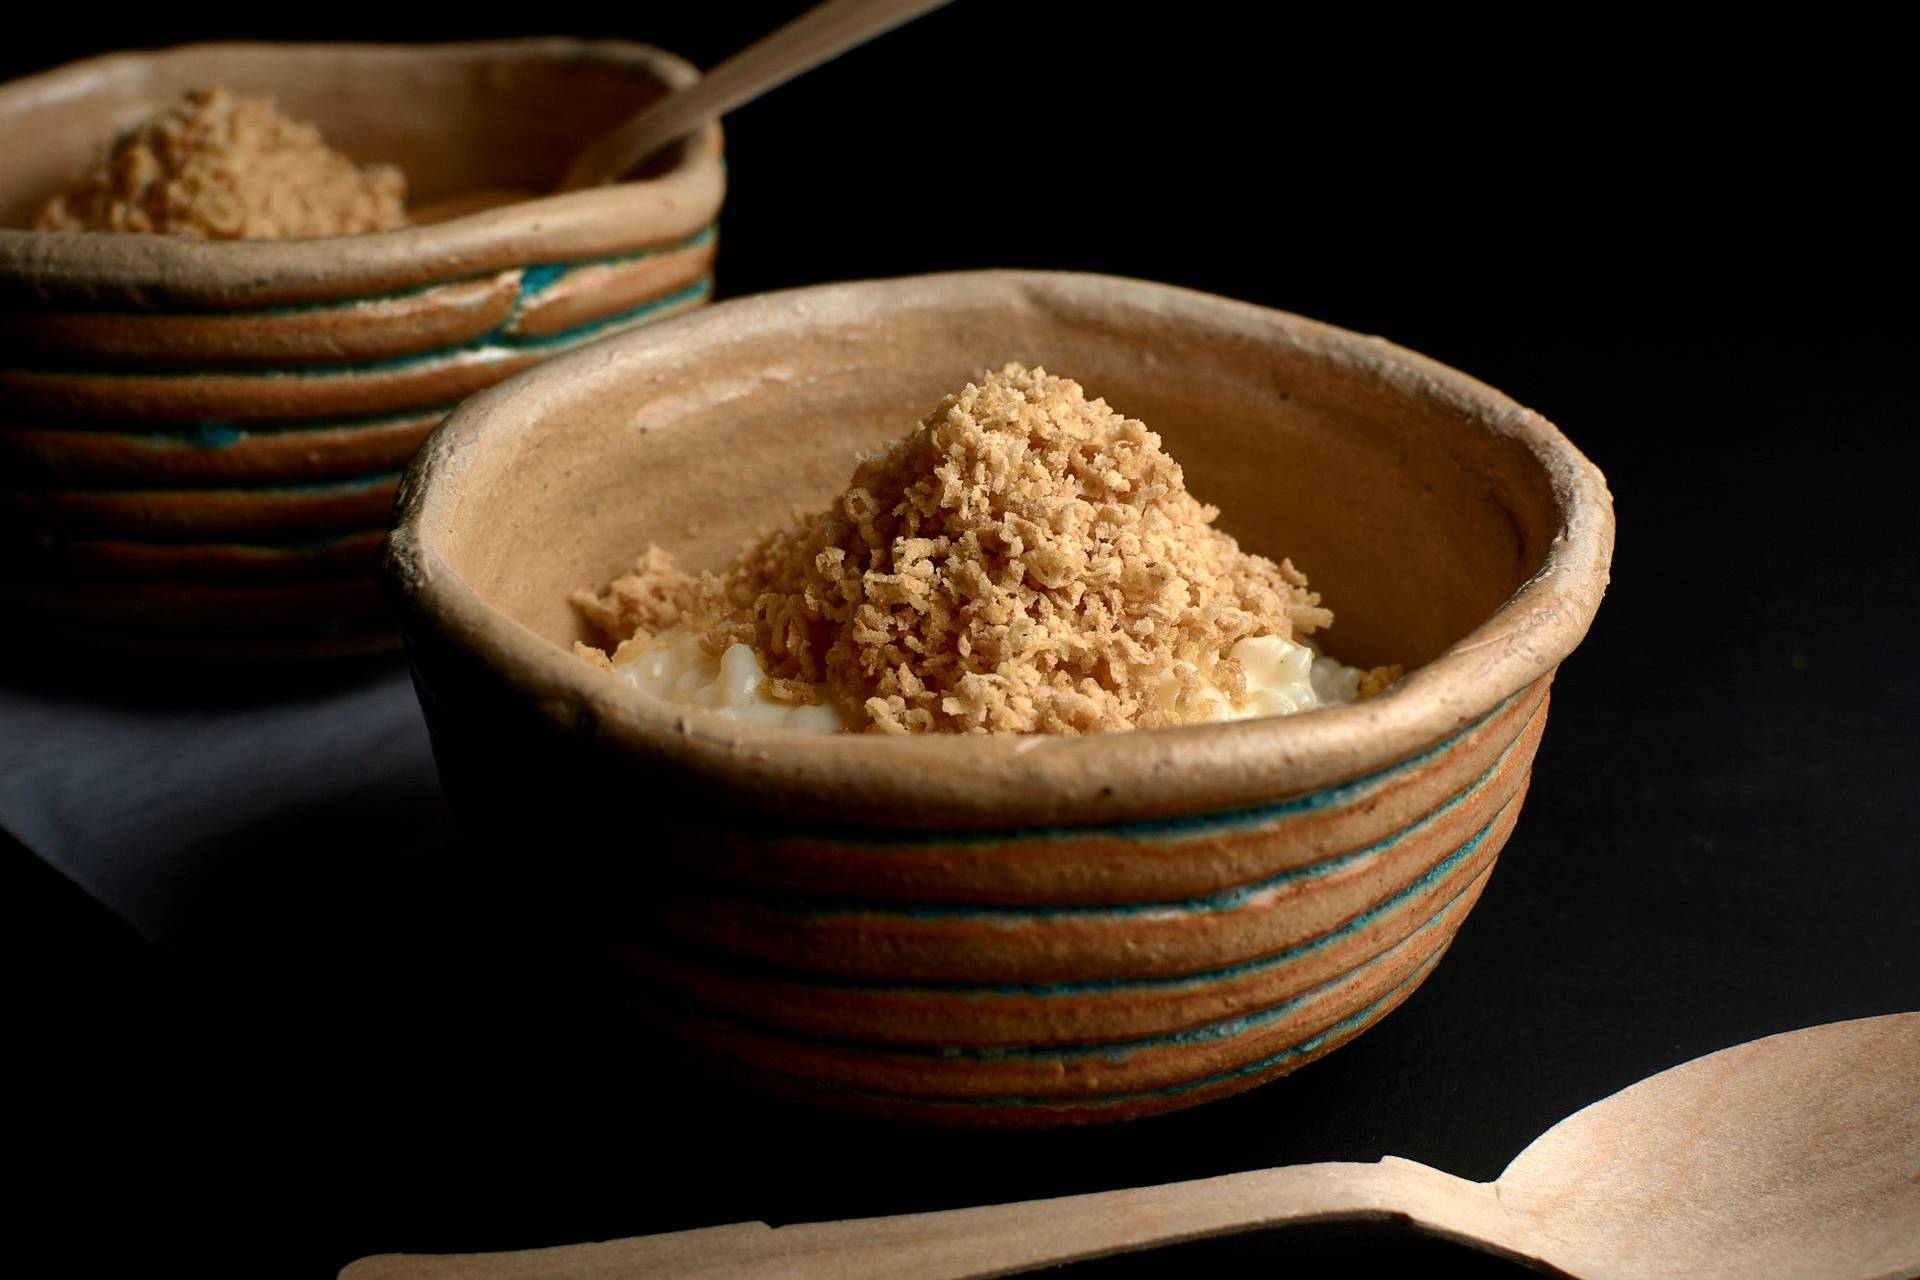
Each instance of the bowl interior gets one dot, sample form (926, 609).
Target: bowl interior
(455, 119)
(1411, 508)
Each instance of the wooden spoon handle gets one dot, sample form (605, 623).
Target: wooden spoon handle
(997, 1240)
(820, 34)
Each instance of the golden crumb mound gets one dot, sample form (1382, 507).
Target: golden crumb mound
(1026, 561)
(228, 166)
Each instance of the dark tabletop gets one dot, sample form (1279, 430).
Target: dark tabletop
(1683, 255)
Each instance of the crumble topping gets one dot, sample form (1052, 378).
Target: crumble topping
(228, 166)
(1027, 560)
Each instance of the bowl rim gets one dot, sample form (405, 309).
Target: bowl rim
(101, 266)
(969, 781)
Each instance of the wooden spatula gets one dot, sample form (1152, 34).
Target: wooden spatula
(1794, 1156)
(816, 36)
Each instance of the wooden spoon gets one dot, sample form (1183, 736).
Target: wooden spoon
(816, 36)
(1794, 1156)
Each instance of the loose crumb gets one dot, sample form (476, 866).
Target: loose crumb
(228, 166)
(1026, 561)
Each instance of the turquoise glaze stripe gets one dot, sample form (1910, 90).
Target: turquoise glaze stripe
(221, 435)
(1357, 1022)
(208, 435)
(494, 340)
(543, 275)
(346, 484)
(497, 340)
(537, 279)
(1118, 1050)
(322, 484)
(1224, 822)
(1230, 900)
(275, 546)
(1101, 986)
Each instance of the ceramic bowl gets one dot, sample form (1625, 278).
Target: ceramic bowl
(200, 440)
(1003, 930)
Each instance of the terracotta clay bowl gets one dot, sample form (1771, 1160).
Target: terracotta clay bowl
(1011, 930)
(200, 440)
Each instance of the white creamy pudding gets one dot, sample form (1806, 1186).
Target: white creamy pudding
(675, 667)
(1283, 676)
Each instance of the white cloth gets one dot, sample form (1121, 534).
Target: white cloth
(149, 795)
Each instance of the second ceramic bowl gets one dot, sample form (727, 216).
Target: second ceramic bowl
(200, 440)
(1002, 930)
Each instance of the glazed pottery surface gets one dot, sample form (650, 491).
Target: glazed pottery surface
(200, 440)
(1002, 930)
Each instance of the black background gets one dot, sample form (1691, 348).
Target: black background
(1683, 245)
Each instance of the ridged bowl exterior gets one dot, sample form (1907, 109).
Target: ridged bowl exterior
(1024, 977)
(208, 475)
(924, 1007)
